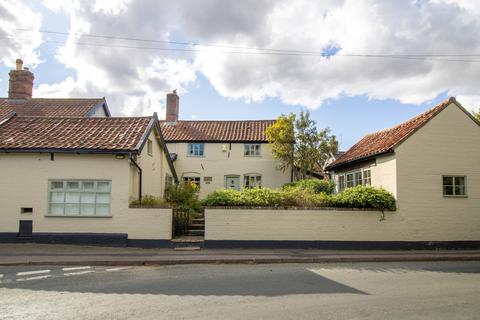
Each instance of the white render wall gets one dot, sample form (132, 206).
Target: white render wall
(24, 183)
(217, 164)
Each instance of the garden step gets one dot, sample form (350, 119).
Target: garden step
(194, 232)
(199, 221)
(197, 226)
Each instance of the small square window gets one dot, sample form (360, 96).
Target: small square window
(454, 186)
(195, 150)
(251, 150)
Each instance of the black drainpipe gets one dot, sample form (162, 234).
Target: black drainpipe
(139, 177)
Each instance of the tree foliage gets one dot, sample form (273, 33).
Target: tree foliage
(477, 114)
(297, 142)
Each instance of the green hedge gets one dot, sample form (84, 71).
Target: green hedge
(357, 197)
(311, 185)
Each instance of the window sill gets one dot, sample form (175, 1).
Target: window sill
(72, 216)
(195, 156)
(451, 196)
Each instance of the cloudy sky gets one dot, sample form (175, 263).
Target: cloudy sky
(357, 65)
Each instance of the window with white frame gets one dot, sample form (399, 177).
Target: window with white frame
(354, 178)
(79, 197)
(251, 181)
(251, 149)
(195, 150)
(190, 179)
(454, 186)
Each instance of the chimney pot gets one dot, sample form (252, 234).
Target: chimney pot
(19, 63)
(20, 83)
(172, 106)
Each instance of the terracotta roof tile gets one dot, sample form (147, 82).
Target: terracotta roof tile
(72, 134)
(216, 131)
(44, 107)
(385, 140)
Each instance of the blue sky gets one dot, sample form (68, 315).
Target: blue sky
(350, 107)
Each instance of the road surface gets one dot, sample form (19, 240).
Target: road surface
(435, 290)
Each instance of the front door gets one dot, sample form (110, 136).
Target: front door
(232, 182)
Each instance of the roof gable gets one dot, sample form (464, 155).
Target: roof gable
(216, 131)
(386, 140)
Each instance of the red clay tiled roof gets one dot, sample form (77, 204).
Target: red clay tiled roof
(385, 140)
(216, 131)
(73, 134)
(44, 107)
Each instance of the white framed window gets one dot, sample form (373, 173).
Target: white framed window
(79, 197)
(251, 181)
(168, 180)
(149, 147)
(195, 150)
(252, 149)
(454, 186)
(354, 178)
(190, 179)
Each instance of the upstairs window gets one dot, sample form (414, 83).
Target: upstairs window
(251, 181)
(454, 186)
(252, 150)
(79, 197)
(195, 150)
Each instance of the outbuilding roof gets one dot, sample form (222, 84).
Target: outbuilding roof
(50, 107)
(216, 131)
(56, 134)
(384, 141)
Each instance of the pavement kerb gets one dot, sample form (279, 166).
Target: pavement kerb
(322, 259)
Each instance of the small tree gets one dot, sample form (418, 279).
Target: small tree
(298, 143)
(477, 114)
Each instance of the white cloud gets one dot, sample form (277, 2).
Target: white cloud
(15, 15)
(135, 81)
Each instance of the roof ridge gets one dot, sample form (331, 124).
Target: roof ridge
(218, 120)
(86, 118)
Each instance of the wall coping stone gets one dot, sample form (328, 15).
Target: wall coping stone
(296, 208)
(144, 206)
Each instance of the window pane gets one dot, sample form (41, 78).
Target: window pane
(57, 197)
(56, 185)
(103, 198)
(88, 209)
(358, 178)
(88, 197)
(56, 208)
(447, 181)
(103, 186)
(459, 181)
(88, 185)
(72, 209)
(102, 209)
(73, 185)
(72, 197)
(459, 190)
(448, 190)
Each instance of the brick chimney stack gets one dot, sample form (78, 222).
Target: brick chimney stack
(21, 82)
(172, 106)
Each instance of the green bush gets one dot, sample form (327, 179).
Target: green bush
(357, 197)
(311, 185)
(149, 200)
(365, 197)
(183, 196)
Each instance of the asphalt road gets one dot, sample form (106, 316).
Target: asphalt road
(440, 290)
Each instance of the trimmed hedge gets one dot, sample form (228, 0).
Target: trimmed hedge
(311, 185)
(357, 197)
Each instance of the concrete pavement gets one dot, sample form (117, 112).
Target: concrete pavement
(415, 290)
(32, 254)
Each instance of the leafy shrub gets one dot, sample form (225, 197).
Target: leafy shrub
(365, 197)
(183, 196)
(311, 185)
(357, 197)
(149, 201)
